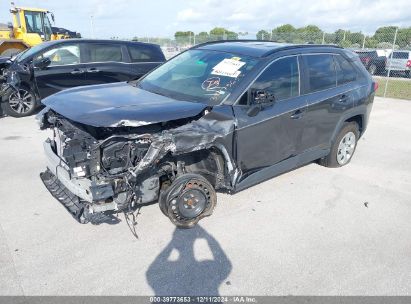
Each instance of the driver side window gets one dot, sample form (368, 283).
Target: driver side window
(62, 55)
(280, 79)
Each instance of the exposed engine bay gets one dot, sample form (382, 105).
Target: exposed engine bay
(94, 171)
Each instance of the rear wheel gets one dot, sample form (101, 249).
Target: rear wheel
(343, 148)
(188, 199)
(19, 103)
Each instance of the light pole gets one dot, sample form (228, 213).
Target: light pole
(92, 26)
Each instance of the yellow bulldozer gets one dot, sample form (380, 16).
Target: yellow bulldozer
(29, 27)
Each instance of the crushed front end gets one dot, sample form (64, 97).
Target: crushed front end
(98, 171)
(90, 175)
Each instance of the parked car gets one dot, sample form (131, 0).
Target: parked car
(221, 116)
(57, 65)
(373, 60)
(399, 62)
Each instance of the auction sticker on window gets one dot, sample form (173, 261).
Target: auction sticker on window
(228, 67)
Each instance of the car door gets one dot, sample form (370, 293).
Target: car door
(106, 63)
(144, 58)
(273, 134)
(327, 98)
(65, 69)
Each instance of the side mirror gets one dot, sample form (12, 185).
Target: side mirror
(42, 63)
(262, 97)
(258, 100)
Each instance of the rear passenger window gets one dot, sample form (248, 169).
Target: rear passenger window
(143, 54)
(281, 78)
(345, 71)
(321, 72)
(105, 52)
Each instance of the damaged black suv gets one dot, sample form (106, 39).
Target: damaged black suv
(221, 116)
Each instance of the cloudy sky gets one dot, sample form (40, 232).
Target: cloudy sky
(161, 18)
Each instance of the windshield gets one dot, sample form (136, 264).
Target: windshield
(199, 76)
(27, 53)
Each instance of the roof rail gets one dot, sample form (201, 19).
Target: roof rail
(285, 46)
(297, 46)
(233, 40)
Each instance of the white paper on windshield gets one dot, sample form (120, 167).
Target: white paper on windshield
(227, 74)
(228, 67)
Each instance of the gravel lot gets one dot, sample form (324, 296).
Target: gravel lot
(313, 231)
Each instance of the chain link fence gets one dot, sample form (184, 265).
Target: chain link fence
(386, 54)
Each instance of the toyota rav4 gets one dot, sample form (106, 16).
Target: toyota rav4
(221, 116)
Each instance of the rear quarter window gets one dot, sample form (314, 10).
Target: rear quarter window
(345, 70)
(321, 72)
(142, 53)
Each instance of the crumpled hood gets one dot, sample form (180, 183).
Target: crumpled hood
(119, 104)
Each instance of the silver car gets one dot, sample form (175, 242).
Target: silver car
(399, 62)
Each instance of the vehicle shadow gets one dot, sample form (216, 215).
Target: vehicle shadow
(184, 274)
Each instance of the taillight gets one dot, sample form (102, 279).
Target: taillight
(408, 65)
(375, 86)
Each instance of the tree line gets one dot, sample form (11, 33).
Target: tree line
(382, 38)
(287, 33)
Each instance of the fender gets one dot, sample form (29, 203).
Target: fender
(360, 110)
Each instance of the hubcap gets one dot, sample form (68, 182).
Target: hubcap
(346, 148)
(191, 203)
(21, 101)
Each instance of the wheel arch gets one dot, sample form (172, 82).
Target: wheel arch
(357, 116)
(215, 157)
(359, 119)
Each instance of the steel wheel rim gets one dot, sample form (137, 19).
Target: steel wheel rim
(346, 148)
(21, 101)
(192, 203)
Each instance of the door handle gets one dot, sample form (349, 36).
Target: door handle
(93, 70)
(343, 98)
(297, 114)
(77, 71)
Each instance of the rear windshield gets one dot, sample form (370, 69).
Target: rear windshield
(367, 54)
(400, 55)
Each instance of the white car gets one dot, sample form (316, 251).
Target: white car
(399, 62)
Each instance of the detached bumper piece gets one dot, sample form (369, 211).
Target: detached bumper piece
(70, 201)
(73, 203)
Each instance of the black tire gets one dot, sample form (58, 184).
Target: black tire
(331, 160)
(188, 191)
(408, 74)
(28, 106)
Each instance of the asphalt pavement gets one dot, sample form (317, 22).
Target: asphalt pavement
(312, 231)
